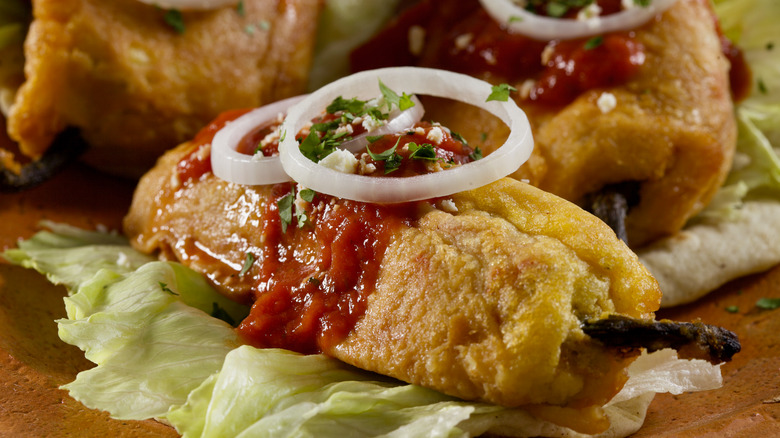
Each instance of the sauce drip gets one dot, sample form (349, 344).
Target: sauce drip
(314, 280)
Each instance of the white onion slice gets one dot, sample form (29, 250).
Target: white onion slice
(191, 5)
(398, 121)
(518, 20)
(229, 164)
(413, 80)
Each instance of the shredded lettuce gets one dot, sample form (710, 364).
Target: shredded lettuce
(752, 25)
(159, 354)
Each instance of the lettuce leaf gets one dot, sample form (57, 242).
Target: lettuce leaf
(159, 354)
(752, 25)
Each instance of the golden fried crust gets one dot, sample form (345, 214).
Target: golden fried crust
(136, 87)
(487, 303)
(673, 128)
(483, 303)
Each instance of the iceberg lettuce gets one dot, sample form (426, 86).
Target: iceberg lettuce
(160, 354)
(752, 25)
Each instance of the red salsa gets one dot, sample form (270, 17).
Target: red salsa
(315, 279)
(460, 36)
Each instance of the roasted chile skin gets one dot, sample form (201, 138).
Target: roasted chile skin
(673, 129)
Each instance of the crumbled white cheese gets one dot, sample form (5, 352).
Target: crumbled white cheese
(606, 102)
(416, 40)
(435, 135)
(449, 206)
(419, 130)
(589, 12)
(628, 4)
(526, 87)
(370, 123)
(365, 168)
(548, 52)
(344, 129)
(462, 41)
(340, 160)
(489, 57)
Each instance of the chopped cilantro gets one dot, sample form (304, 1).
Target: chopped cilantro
(556, 9)
(459, 137)
(391, 159)
(175, 20)
(762, 86)
(515, 19)
(732, 309)
(374, 138)
(165, 288)
(314, 281)
(477, 154)
(248, 262)
(241, 9)
(423, 151)
(302, 216)
(768, 303)
(483, 136)
(643, 3)
(354, 106)
(500, 92)
(307, 195)
(392, 98)
(594, 42)
(249, 29)
(264, 25)
(220, 313)
(285, 210)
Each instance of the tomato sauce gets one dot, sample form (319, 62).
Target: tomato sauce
(461, 36)
(196, 163)
(315, 279)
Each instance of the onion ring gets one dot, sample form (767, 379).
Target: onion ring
(190, 5)
(229, 164)
(414, 80)
(399, 120)
(518, 20)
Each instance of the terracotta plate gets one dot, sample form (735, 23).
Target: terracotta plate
(33, 361)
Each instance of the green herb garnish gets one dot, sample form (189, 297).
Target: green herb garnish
(392, 98)
(594, 42)
(423, 151)
(762, 86)
(302, 216)
(732, 309)
(476, 155)
(459, 137)
(248, 262)
(500, 92)
(165, 288)
(241, 9)
(285, 206)
(175, 20)
(768, 303)
(391, 159)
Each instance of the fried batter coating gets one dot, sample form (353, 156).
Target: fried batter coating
(672, 128)
(484, 301)
(135, 87)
